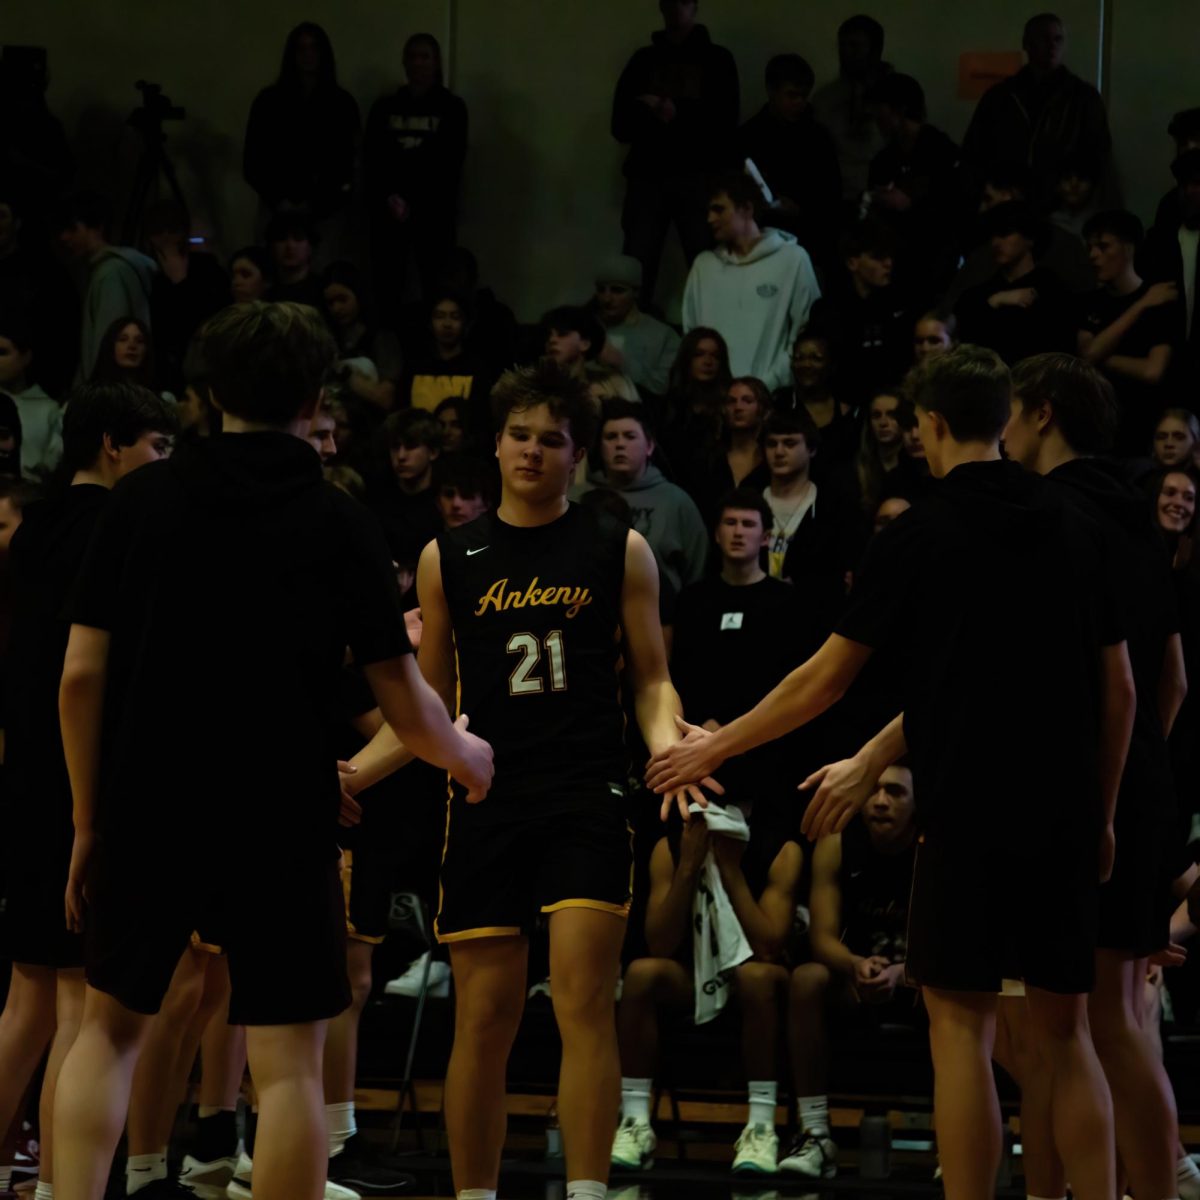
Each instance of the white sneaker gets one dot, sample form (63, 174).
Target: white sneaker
(634, 1145)
(409, 984)
(239, 1185)
(812, 1157)
(541, 988)
(757, 1151)
(208, 1179)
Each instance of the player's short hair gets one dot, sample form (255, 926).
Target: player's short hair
(1081, 399)
(291, 224)
(797, 420)
(560, 390)
(412, 427)
(618, 409)
(1035, 22)
(746, 500)
(18, 492)
(783, 69)
(1118, 223)
(347, 479)
(267, 362)
(124, 411)
(969, 387)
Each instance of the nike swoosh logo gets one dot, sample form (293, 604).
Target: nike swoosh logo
(479, 551)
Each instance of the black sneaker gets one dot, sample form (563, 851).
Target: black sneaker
(361, 1171)
(166, 1189)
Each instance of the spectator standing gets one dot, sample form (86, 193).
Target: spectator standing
(302, 131)
(119, 278)
(1126, 327)
(400, 489)
(688, 420)
(1040, 115)
(757, 287)
(640, 345)
(1022, 310)
(914, 186)
(864, 316)
(796, 156)
(842, 106)
(413, 155)
(676, 108)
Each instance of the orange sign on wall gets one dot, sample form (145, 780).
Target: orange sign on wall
(979, 69)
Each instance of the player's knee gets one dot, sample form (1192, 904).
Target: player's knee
(361, 980)
(809, 985)
(583, 997)
(645, 980)
(759, 984)
(487, 1019)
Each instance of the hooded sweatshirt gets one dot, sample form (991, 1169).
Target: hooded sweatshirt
(758, 303)
(667, 517)
(119, 285)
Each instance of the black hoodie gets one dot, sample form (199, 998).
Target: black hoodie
(231, 578)
(701, 79)
(990, 588)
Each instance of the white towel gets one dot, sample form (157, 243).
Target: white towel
(719, 943)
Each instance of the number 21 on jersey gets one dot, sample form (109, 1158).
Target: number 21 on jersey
(526, 680)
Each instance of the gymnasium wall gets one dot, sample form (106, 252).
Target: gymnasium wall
(543, 186)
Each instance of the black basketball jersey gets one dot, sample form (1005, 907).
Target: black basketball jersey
(536, 615)
(875, 890)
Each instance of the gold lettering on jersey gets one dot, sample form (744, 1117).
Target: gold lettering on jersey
(500, 597)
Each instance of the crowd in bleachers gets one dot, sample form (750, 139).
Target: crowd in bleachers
(834, 238)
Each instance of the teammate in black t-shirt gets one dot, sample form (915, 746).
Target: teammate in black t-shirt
(210, 621)
(858, 906)
(109, 431)
(990, 587)
(528, 613)
(1063, 412)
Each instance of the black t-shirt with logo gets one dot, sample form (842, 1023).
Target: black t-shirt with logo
(875, 889)
(231, 578)
(536, 613)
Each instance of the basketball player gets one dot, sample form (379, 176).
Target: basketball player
(535, 604)
(1063, 412)
(210, 621)
(990, 587)
(109, 431)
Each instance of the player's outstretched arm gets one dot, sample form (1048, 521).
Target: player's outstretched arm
(808, 691)
(382, 756)
(844, 787)
(81, 714)
(416, 709)
(656, 702)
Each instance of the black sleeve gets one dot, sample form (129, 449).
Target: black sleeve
(259, 155)
(371, 607)
(879, 607)
(95, 599)
(631, 119)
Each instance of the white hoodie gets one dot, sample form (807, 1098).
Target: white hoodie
(758, 303)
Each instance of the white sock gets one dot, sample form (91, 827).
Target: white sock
(141, 1169)
(762, 1102)
(635, 1098)
(587, 1189)
(1186, 1170)
(814, 1114)
(477, 1194)
(5, 1178)
(339, 1121)
(45, 1191)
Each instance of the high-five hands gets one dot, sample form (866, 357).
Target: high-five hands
(842, 790)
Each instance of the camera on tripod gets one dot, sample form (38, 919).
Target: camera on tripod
(156, 107)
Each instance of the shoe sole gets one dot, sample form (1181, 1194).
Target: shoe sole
(238, 1191)
(799, 1174)
(752, 1169)
(375, 1189)
(441, 992)
(644, 1165)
